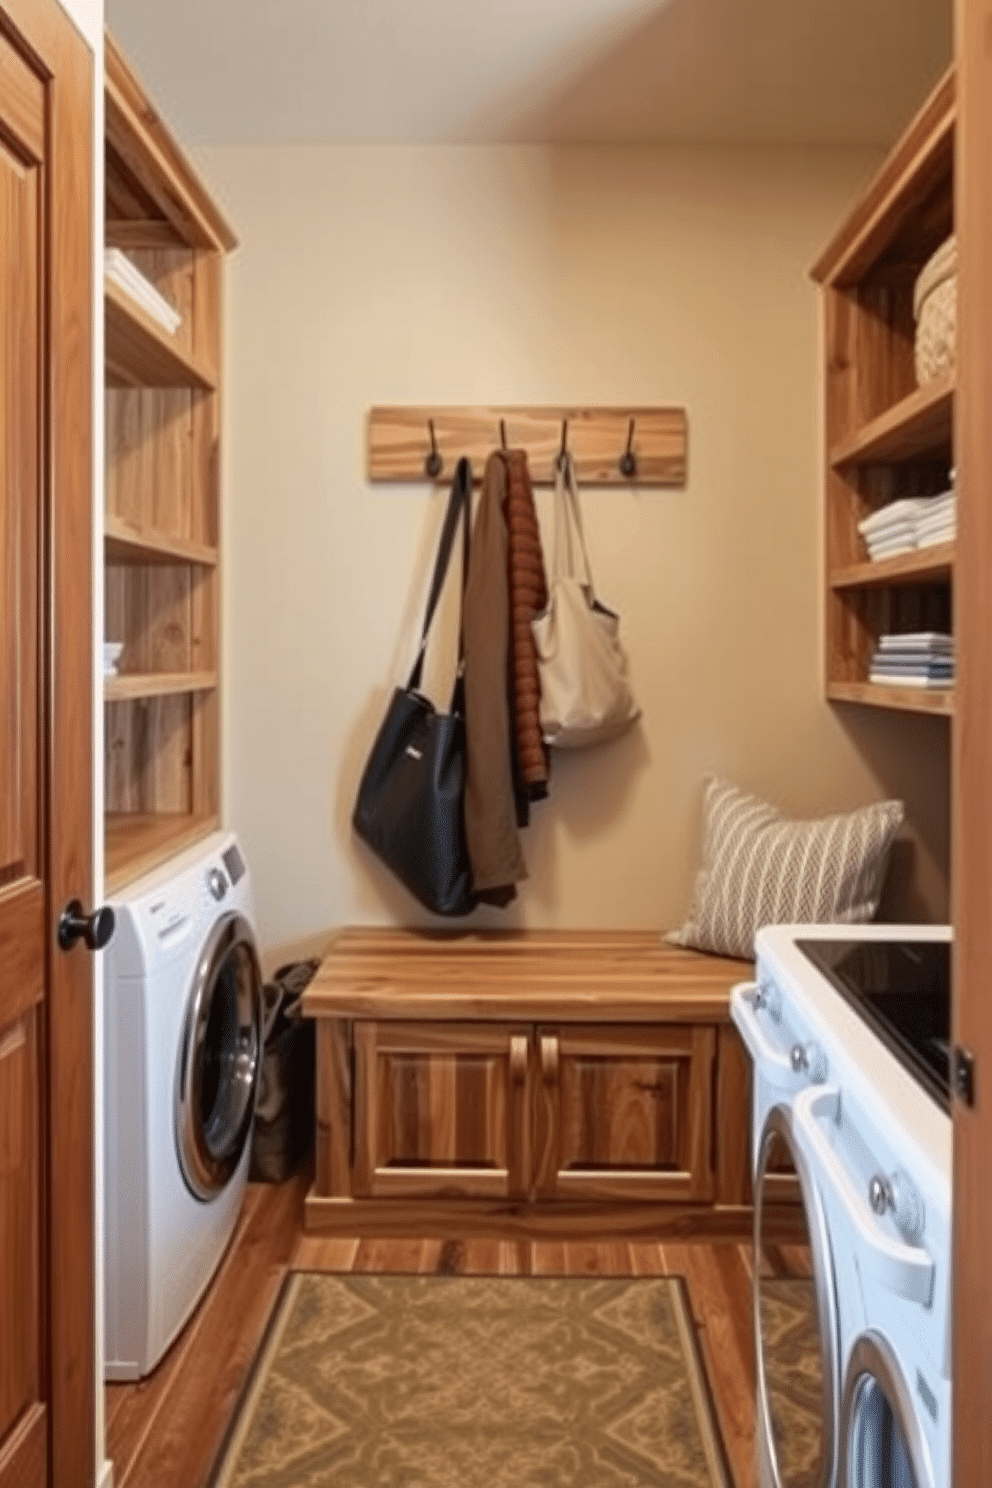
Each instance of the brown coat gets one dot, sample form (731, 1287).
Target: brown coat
(506, 761)
(528, 596)
(490, 811)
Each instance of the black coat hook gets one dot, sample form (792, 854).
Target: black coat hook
(434, 464)
(563, 451)
(628, 460)
(502, 432)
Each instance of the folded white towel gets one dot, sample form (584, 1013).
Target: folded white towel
(892, 549)
(904, 510)
(118, 267)
(921, 640)
(940, 534)
(911, 681)
(890, 534)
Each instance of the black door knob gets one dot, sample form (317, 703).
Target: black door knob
(95, 929)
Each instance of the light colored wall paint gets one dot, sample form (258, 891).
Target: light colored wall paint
(515, 275)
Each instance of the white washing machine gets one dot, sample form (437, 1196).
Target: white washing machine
(182, 1020)
(849, 1031)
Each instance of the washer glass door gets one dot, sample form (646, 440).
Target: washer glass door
(883, 1444)
(219, 1061)
(795, 1317)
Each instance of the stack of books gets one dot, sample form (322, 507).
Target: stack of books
(922, 658)
(119, 268)
(913, 522)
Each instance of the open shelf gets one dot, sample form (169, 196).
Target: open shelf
(887, 437)
(139, 353)
(919, 424)
(880, 695)
(125, 542)
(936, 563)
(162, 547)
(136, 844)
(904, 189)
(136, 685)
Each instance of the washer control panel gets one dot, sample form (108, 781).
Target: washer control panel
(216, 883)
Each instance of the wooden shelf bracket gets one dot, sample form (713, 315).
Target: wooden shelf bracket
(609, 446)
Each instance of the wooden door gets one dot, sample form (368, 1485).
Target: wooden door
(625, 1113)
(47, 1363)
(441, 1110)
(972, 1011)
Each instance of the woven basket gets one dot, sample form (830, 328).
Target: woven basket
(935, 306)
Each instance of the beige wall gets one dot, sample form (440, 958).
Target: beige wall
(515, 275)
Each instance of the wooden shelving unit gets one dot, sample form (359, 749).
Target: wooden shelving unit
(138, 353)
(125, 543)
(136, 843)
(886, 437)
(162, 522)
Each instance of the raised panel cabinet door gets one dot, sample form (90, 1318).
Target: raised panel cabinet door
(441, 1110)
(47, 1349)
(624, 1113)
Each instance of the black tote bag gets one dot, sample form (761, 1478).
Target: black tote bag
(410, 806)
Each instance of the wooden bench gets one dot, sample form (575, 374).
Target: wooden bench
(548, 1084)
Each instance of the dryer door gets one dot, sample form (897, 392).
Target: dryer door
(795, 1318)
(883, 1446)
(219, 1058)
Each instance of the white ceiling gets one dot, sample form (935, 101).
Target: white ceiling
(491, 71)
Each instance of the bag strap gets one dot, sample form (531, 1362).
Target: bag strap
(570, 559)
(459, 508)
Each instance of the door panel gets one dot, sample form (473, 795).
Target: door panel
(47, 1351)
(441, 1109)
(972, 821)
(625, 1113)
(20, 1385)
(22, 986)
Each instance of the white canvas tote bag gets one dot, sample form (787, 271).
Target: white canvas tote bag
(585, 696)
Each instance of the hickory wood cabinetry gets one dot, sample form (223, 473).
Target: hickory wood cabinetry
(545, 1083)
(162, 521)
(886, 437)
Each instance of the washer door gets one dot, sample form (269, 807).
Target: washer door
(219, 1058)
(883, 1446)
(795, 1316)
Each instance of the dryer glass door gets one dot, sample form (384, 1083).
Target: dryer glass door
(219, 1062)
(883, 1444)
(795, 1317)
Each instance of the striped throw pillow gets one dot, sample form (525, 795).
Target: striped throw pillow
(760, 869)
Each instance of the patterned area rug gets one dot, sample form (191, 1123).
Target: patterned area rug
(793, 1376)
(477, 1382)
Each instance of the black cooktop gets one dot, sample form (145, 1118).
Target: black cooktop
(902, 989)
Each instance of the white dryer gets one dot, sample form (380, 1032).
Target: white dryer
(859, 1017)
(182, 1020)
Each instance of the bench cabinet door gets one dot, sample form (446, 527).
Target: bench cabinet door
(441, 1110)
(624, 1113)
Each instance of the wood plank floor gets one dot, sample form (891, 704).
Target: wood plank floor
(166, 1431)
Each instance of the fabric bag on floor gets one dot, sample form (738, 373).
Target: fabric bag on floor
(284, 1115)
(585, 695)
(410, 806)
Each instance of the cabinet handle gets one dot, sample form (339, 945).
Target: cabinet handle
(549, 1059)
(518, 1058)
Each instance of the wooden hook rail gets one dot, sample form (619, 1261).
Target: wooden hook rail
(608, 446)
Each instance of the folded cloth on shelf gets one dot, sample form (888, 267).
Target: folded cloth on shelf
(916, 640)
(886, 516)
(939, 535)
(910, 680)
(118, 267)
(885, 668)
(921, 658)
(911, 522)
(891, 549)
